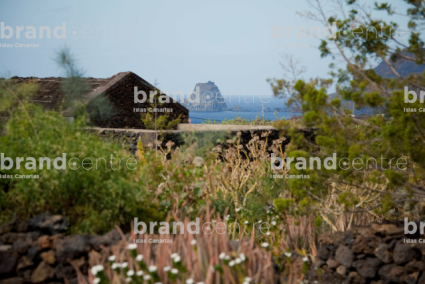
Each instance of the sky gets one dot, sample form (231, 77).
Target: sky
(174, 43)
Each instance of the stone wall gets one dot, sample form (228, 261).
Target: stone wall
(37, 251)
(128, 138)
(381, 253)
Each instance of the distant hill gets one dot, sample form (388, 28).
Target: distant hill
(402, 66)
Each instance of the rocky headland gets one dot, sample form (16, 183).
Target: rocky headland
(210, 99)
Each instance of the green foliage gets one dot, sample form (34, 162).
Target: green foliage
(159, 122)
(241, 121)
(96, 193)
(282, 205)
(391, 134)
(94, 200)
(317, 221)
(348, 199)
(163, 121)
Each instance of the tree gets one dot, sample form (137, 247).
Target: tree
(393, 134)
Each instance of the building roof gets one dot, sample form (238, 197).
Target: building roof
(51, 96)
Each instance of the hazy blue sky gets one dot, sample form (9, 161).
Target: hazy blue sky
(179, 43)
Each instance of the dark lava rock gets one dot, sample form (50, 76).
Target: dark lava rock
(354, 278)
(344, 256)
(367, 267)
(33, 253)
(51, 225)
(332, 263)
(10, 238)
(422, 279)
(24, 263)
(365, 244)
(43, 272)
(391, 273)
(21, 246)
(13, 280)
(383, 253)
(336, 238)
(72, 248)
(415, 265)
(64, 271)
(404, 253)
(323, 253)
(109, 239)
(8, 262)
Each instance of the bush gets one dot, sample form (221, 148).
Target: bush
(94, 200)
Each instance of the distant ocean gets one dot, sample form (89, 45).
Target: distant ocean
(197, 117)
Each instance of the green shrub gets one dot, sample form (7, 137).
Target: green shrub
(94, 200)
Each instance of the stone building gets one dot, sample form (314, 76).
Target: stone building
(116, 92)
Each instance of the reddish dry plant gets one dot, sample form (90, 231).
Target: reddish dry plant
(204, 257)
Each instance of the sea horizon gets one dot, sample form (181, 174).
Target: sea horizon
(198, 117)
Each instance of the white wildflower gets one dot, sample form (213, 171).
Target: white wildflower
(132, 246)
(239, 209)
(173, 255)
(305, 259)
(177, 259)
(274, 223)
(288, 254)
(247, 279)
(95, 269)
(152, 268)
(139, 257)
(238, 260)
(124, 264)
(112, 258)
(231, 263)
(242, 256)
(128, 279)
(227, 257)
(96, 280)
(147, 277)
(139, 273)
(115, 265)
(264, 245)
(246, 222)
(268, 233)
(189, 281)
(193, 242)
(174, 271)
(167, 268)
(130, 273)
(222, 255)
